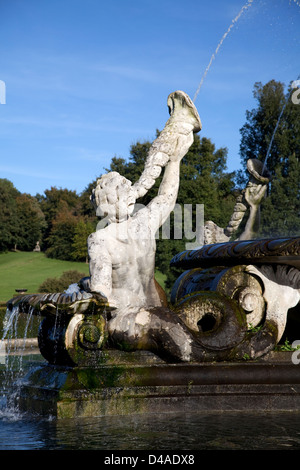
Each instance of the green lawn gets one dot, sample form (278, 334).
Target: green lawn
(27, 270)
(161, 278)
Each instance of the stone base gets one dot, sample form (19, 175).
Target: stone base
(149, 386)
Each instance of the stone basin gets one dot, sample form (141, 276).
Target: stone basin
(285, 250)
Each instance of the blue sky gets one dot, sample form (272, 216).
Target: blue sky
(85, 79)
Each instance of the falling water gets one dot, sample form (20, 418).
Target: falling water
(12, 349)
(276, 127)
(273, 135)
(244, 8)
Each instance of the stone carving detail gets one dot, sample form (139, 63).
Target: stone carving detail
(176, 137)
(281, 291)
(264, 292)
(285, 250)
(62, 303)
(73, 330)
(234, 283)
(251, 198)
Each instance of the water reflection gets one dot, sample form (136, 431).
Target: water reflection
(209, 431)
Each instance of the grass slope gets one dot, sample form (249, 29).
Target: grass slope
(27, 270)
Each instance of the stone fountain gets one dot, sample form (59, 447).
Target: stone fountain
(114, 345)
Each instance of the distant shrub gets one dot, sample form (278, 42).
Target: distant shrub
(54, 284)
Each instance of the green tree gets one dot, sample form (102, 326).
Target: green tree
(79, 245)
(62, 232)
(280, 210)
(21, 219)
(204, 180)
(9, 222)
(31, 222)
(52, 202)
(87, 210)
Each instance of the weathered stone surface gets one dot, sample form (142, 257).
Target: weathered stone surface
(281, 292)
(59, 303)
(250, 198)
(162, 388)
(281, 250)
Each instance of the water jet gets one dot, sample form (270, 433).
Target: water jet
(234, 21)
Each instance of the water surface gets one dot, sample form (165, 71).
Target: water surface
(188, 431)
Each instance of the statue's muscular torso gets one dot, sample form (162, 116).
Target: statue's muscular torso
(125, 254)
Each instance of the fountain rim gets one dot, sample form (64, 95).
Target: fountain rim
(281, 250)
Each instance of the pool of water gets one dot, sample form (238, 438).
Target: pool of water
(184, 431)
(153, 432)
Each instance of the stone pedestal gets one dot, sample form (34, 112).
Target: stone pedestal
(141, 383)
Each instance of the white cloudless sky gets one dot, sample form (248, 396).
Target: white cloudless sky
(85, 79)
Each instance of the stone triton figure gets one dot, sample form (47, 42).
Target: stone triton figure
(122, 255)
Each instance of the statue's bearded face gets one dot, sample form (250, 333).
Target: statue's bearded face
(114, 197)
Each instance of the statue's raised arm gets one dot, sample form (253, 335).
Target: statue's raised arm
(173, 142)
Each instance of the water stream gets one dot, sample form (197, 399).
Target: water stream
(243, 9)
(276, 127)
(234, 21)
(13, 350)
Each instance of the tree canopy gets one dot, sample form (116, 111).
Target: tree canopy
(21, 219)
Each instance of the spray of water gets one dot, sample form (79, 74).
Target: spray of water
(275, 129)
(243, 9)
(12, 350)
(273, 135)
(297, 2)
